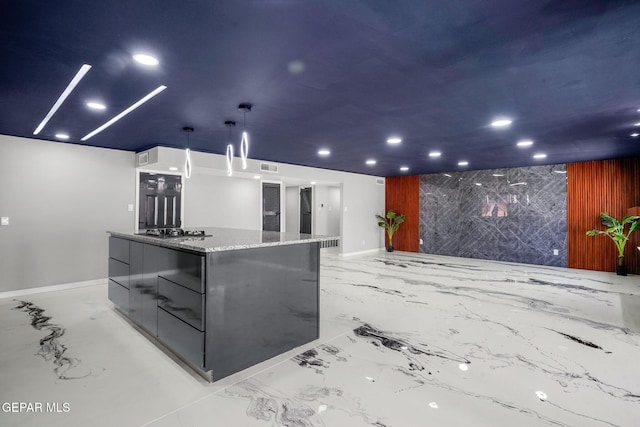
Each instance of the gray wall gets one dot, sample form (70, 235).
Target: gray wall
(292, 209)
(61, 199)
(220, 201)
(496, 220)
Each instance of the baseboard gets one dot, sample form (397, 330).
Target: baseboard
(368, 251)
(52, 288)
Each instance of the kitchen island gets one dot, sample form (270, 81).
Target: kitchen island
(224, 301)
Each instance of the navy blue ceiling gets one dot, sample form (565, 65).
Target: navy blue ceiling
(340, 74)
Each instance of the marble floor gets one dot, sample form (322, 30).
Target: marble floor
(406, 340)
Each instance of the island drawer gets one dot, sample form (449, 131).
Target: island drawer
(183, 303)
(119, 272)
(119, 296)
(119, 249)
(184, 339)
(183, 268)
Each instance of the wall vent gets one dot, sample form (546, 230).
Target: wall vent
(380, 181)
(268, 167)
(143, 159)
(335, 243)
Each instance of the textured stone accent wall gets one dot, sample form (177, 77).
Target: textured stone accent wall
(516, 214)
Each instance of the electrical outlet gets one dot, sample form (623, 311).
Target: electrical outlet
(555, 252)
(129, 208)
(421, 242)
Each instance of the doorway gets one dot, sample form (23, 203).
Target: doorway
(305, 210)
(271, 200)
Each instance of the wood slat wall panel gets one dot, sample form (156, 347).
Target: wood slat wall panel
(402, 194)
(612, 186)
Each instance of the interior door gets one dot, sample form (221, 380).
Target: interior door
(270, 206)
(305, 210)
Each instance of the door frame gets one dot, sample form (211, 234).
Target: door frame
(313, 207)
(282, 205)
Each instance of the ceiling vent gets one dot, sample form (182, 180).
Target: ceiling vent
(380, 181)
(143, 159)
(268, 167)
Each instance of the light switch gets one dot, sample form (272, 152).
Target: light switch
(555, 252)
(4, 220)
(130, 208)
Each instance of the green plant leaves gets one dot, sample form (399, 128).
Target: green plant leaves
(616, 229)
(391, 222)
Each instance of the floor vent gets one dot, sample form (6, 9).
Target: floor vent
(380, 181)
(268, 167)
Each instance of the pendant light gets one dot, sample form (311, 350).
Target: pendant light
(230, 124)
(187, 162)
(244, 142)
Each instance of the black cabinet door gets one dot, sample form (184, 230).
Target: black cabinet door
(149, 288)
(136, 282)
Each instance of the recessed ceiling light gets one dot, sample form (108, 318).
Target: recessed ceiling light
(478, 184)
(435, 154)
(96, 105)
(65, 93)
(500, 123)
(637, 124)
(498, 174)
(638, 110)
(173, 168)
(635, 134)
(525, 143)
(540, 156)
(62, 136)
(256, 176)
(394, 140)
(145, 59)
(371, 162)
(404, 168)
(463, 163)
(324, 152)
(124, 113)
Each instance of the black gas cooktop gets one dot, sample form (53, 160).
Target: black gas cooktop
(166, 233)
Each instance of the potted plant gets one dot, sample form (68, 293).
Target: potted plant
(390, 222)
(616, 231)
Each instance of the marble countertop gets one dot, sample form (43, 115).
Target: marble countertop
(226, 239)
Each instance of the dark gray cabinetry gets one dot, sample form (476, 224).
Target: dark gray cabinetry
(260, 303)
(220, 310)
(143, 291)
(119, 270)
(162, 290)
(181, 304)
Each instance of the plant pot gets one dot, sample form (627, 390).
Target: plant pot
(621, 270)
(390, 249)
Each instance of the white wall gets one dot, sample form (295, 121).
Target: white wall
(292, 209)
(220, 201)
(333, 216)
(60, 199)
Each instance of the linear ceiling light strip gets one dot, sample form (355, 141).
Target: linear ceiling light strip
(124, 113)
(72, 85)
